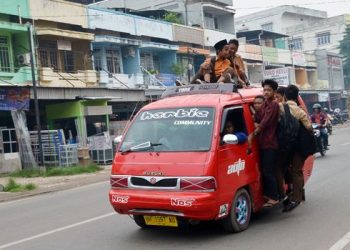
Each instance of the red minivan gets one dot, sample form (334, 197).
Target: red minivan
(174, 162)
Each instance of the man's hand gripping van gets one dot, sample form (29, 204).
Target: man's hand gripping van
(174, 163)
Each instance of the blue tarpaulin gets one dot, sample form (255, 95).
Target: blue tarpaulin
(14, 99)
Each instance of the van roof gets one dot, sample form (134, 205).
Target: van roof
(206, 99)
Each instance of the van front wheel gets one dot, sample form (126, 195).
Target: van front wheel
(239, 216)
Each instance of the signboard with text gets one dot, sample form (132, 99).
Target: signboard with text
(280, 75)
(14, 99)
(168, 80)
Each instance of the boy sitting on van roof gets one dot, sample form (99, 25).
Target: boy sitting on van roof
(217, 69)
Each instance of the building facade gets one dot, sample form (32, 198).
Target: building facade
(312, 32)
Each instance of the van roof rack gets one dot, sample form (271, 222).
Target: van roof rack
(208, 88)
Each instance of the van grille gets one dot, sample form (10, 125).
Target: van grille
(153, 182)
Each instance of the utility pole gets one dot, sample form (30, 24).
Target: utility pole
(36, 102)
(186, 12)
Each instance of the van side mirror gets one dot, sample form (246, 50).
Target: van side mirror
(117, 140)
(230, 139)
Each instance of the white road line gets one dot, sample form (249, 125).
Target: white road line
(344, 144)
(340, 244)
(55, 230)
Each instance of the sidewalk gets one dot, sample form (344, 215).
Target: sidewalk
(56, 183)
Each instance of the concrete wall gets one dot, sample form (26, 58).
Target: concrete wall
(131, 64)
(281, 17)
(212, 36)
(167, 59)
(15, 7)
(308, 32)
(59, 11)
(187, 34)
(134, 25)
(196, 15)
(10, 162)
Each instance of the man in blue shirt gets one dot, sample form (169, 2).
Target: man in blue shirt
(230, 129)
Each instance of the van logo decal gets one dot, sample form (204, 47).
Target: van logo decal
(182, 202)
(223, 210)
(236, 167)
(120, 199)
(153, 180)
(180, 113)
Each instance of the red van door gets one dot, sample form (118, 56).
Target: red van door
(238, 172)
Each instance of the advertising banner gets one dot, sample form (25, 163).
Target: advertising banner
(280, 75)
(167, 79)
(14, 99)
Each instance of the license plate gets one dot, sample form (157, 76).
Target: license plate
(167, 221)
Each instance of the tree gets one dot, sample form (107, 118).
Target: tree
(344, 47)
(172, 17)
(178, 69)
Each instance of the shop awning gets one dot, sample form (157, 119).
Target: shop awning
(117, 40)
(13, 27)
(64, 33)
(159, 46)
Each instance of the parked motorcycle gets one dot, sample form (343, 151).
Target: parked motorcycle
(320, 144)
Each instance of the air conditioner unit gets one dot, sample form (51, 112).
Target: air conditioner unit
(23, 59)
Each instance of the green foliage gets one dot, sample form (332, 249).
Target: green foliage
(72, 170)
(27, 173)
(30, 186)
(344, 47)
(178, 69)
(56, 171)
(13, 186)
(172, 17)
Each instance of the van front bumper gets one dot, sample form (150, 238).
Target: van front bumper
(190, 205)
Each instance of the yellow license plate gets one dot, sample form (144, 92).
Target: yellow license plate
(168, 221)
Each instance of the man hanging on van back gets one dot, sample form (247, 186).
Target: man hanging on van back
(267, 131)
(297, 159)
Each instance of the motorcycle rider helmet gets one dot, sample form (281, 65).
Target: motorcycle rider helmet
(316, 106)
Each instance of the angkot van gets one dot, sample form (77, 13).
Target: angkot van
(175, 164)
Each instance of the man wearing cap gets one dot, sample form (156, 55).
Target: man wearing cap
(216, 69)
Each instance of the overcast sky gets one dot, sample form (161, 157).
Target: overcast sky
(333, 7)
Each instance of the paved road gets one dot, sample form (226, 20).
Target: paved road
(83, 219)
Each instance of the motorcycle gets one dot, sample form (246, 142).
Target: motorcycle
(320, 145)
(337, 117)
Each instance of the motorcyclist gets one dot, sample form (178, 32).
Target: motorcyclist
(320, 118)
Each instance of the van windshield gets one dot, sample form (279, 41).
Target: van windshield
(179, 129)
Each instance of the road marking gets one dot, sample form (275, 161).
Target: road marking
(340, 244)
(55, 230)
(344, 144)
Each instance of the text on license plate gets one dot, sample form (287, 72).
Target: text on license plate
(169, 221)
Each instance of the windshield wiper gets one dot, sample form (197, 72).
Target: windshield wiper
(141, 146)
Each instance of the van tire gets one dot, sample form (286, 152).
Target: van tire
(240, 213)
(140, 221)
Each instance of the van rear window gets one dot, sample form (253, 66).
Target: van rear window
(179, 129)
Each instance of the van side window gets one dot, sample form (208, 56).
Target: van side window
(233, 122)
